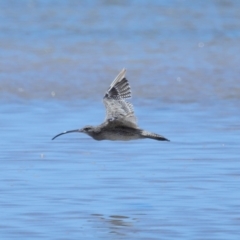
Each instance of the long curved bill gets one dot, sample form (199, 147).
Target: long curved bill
(70, 131)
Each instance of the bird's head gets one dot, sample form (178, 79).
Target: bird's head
(87, 129)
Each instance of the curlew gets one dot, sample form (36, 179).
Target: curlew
(120, 122)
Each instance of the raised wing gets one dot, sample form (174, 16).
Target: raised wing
(117, 108)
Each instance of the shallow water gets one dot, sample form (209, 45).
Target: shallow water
(183, 65)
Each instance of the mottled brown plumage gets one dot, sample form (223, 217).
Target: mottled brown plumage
(120, 122)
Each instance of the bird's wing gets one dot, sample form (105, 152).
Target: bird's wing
(117, 108)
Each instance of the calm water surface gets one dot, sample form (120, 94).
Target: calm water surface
(182, 60)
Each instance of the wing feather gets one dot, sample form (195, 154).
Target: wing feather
(115, 102)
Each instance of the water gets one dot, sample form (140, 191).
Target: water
(182, 60)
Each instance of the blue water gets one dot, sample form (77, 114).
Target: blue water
(182, 60)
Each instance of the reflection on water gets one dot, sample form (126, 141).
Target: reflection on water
(118, 225)
(183, 64)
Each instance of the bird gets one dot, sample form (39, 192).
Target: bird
(120, 121)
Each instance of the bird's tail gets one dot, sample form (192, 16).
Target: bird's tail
(154, 136)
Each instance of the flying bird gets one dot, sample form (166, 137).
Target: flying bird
(120, 122)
